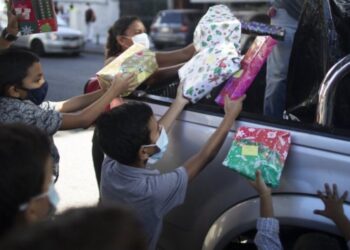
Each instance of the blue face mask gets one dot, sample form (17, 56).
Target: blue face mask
(37, 96)
(161, 144)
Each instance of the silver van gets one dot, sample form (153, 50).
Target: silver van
(221, 208)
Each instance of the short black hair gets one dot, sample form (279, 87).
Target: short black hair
(90, 228)
(14, 65)
(24, 151)
(123, 130)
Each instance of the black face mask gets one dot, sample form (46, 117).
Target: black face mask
(37, 96)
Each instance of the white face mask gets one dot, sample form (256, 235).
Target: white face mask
(141, 39)
(51, 194)
(162, 144)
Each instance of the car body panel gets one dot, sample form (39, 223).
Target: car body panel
(314, 158)
(64, 40)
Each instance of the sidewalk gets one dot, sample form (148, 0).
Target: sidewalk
(76, 184)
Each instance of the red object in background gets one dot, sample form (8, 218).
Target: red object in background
(93, 85)
(35, 16)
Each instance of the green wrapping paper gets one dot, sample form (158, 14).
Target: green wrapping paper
(262, 149)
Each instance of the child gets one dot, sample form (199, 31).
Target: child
(267, 236)
(132, 138)
(23, 89)
(27, 191)
(87, 228)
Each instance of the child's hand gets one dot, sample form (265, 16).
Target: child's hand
(333, 204)
(233, 107)
(124, 83)
(259, 184)
(179, 95)
(12, 23)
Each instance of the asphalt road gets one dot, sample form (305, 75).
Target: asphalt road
(66, 77)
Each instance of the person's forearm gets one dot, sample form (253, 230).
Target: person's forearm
(169, 58)
(266, 206)
(79, 102)
(4, 44)
(210, 149)
(172, 113)
(85, 117)
(343, 225)
(163, 74)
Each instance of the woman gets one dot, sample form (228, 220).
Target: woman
(124, 33)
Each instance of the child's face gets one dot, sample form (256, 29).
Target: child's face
(33, 80)
(35, 77)
(135, 28)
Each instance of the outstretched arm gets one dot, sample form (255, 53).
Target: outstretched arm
(85, 117)
(267, 237)
(170, 58)
(12, 26)
(334, 209)
(195, 164)
(80, 102)
(175, 109)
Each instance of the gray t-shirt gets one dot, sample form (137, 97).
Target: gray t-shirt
(293, 7)
(150, 193)
(44, 117)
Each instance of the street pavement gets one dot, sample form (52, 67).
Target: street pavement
(66, 76)
(76, 185)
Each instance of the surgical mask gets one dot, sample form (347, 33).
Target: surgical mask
(37, 96)
(51, 194)
(162, 144)
(142, 39)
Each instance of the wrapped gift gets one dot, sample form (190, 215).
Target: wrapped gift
(35, 16)
(218, 25)
(207, 69)
(251, 64)
(136, 60)
(259, 149)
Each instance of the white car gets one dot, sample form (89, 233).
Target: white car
(65, 40)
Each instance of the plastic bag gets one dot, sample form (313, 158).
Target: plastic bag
(36, 16)
(259, 149)
(136, 60)
(251, 64)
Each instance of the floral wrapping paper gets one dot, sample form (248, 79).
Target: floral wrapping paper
(263, 149)
(262, 29)
(251, 64)
(217, 26)
(208, 69)
(216, 39)
(136, 60)
(36, 16)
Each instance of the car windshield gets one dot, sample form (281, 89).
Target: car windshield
(61, 22)
(169, 17)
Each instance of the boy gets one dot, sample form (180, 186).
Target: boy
(131, 137)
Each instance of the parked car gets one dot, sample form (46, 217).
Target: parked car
(174, 27)
(65, 40)
(221, 208)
